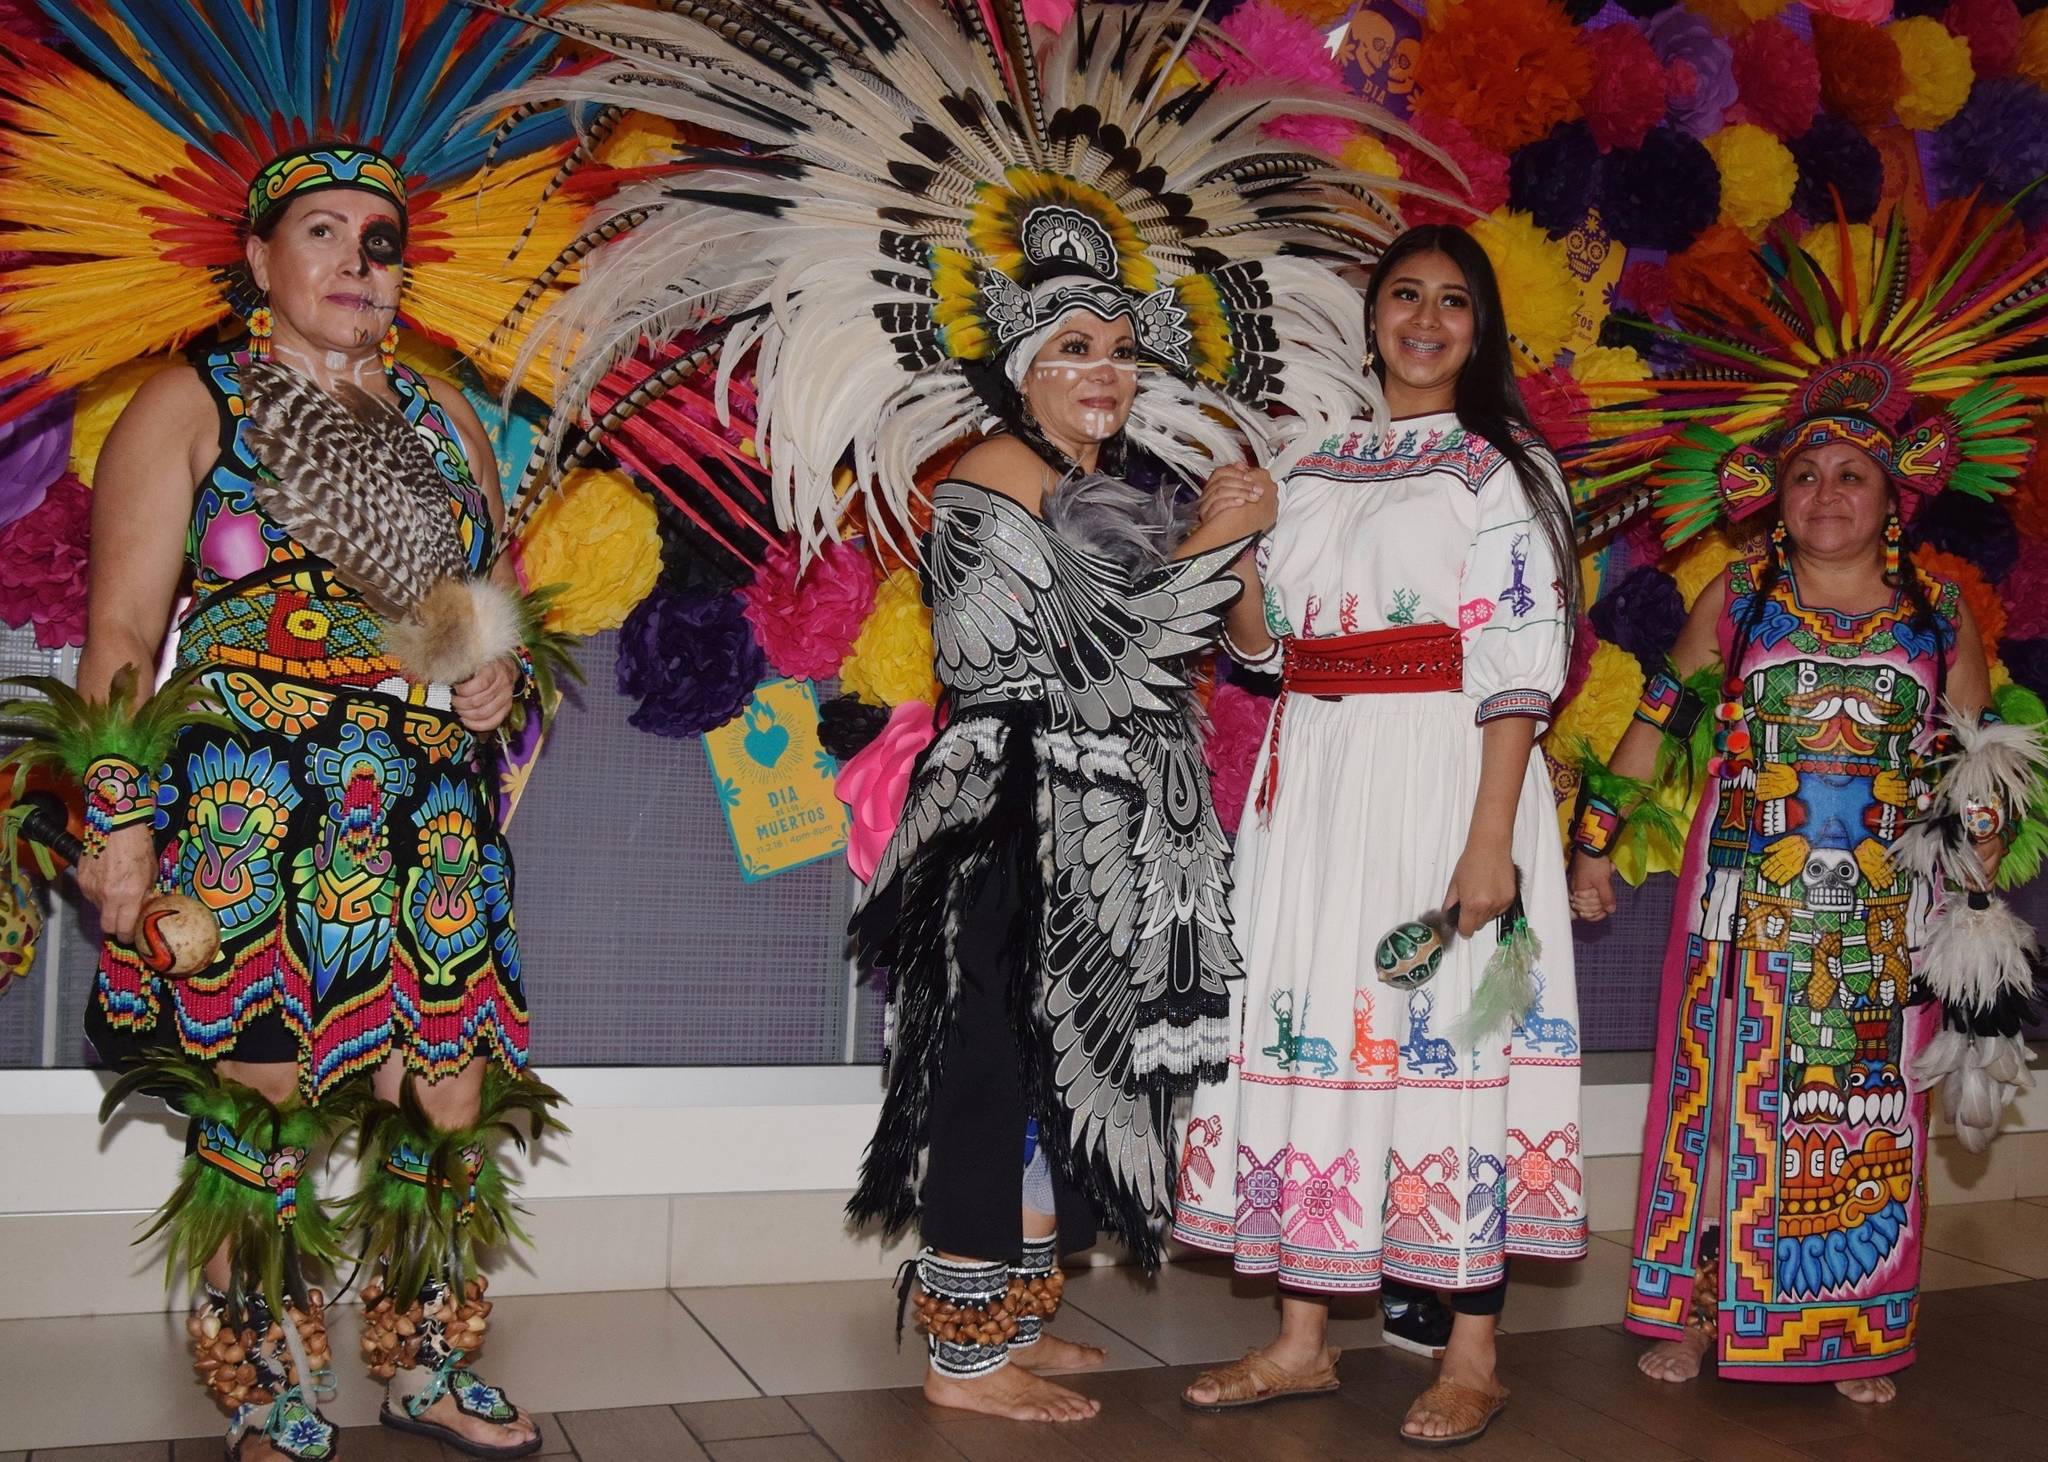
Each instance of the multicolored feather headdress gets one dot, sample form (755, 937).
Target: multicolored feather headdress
(129, 180)
(1929, 364)
(916, 193)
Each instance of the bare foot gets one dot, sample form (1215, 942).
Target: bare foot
(1869, 1390)
(1293, 1359)
(1009, 1392)
(1676, 1360)
(1051, 1353)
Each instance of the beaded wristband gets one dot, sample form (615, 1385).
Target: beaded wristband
(118, 793)
(1596, 824)
(1670, 707)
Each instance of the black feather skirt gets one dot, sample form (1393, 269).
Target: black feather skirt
(958, 932)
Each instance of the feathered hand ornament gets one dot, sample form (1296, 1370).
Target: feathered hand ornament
(348, 477)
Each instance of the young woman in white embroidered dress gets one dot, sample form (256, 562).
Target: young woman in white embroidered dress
(1418, 586)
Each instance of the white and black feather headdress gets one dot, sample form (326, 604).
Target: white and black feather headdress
(915, 192)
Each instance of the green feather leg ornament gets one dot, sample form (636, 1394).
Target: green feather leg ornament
(432, 1199)
(248, 1184)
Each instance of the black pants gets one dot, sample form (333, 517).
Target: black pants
(973, 1191)
(1487, 1301)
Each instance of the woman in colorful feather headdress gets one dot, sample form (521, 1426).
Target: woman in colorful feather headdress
(933, 232)
(1856, 796)
(336, 521)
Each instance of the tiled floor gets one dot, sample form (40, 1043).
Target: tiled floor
(806, 1373)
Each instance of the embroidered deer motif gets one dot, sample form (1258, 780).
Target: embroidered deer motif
(1540, 1030)
(1406, 602)
(1367, 1054)
(1288, 1048)
(1517, 596)
(1422, 1051)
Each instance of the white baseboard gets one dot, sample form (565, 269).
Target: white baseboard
(668, 1180)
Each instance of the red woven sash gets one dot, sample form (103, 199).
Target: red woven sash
(1405, 659)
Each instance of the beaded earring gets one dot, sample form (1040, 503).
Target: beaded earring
(261, 325)
(1894, 534)
(387, 348)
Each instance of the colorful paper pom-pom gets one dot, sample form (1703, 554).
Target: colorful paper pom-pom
(1485, 170)
(806, 625)
(1983, 600)
(1993, 30)
(690, 660)
(1862, 12)
(1629, 86)
(1645, 287)
(1997, 142)
(1836, 161)
(1777, 78)
(2024, 590)
(1698, 70)
(1322, 13)
(1551, 180)
(1536, 282)
(1937, 69)
(2032, 58)
(1757, 176)
(1704, 560)
(1643, 615)
(1860, 74)
(1271, 44)
(1732, 16)
(596, 539)
(100, 403)
(1237, 727)
(42, 565)
(1662, 195)
(34, 448)
(891, 660)
(1605, 704)
(1606, 371)
(1973, 529)
(1509, 70)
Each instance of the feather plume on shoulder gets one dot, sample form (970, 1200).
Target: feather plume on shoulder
(348, 477)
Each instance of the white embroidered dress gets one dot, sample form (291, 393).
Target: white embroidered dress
(1351, 1140)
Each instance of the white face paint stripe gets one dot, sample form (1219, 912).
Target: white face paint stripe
(1077, 367)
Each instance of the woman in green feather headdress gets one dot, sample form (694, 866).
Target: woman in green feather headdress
(1831, 703)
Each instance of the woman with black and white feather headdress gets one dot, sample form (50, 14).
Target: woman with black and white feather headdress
(932, 233)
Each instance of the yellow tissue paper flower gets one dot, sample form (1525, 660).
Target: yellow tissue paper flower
(1758, 175)
(1938, 71)
(596, 538)
(891, 660)
(100, 403)
(1702, 563)
(1536, 283)
(1823, 245)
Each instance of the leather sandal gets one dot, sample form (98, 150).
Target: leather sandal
(1255, 1380)
(1469, 1410)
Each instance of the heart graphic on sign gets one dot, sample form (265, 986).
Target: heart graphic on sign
(766, 739)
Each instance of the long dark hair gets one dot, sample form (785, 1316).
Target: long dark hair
(1488, 401)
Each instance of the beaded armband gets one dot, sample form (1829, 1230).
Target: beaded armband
(1670, 706)
(118, 793)
(1596, 824)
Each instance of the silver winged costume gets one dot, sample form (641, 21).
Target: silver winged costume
(1071, 755)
